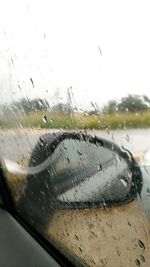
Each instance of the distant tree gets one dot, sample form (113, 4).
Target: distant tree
(132, 103)
(62, 108)
(95, 109)
(24, 105)
(146, 99)
(27, 105)
(111, 107)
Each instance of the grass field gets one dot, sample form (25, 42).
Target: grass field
(77, 121)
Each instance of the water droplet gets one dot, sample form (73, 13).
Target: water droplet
(124, 181)
(19, 87)
(99, 166)
(142, 258)
(148, 192)
(32, 82)
(46, 185)
(80, 249)
(118, 251)
(44, 118)
(129, 223)
(68, 160)
(76, 237)
(107, 130)
(21, 126)
(129, 174)
(41, 141)
(137, 262)
(127, 138)
(141, 244)
(79, 152)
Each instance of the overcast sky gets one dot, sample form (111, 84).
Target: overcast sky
(100, 48)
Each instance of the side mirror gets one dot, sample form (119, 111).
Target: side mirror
(71, 170)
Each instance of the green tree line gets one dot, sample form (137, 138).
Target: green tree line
(130, 103)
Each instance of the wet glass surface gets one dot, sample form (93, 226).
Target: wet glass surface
(78, 67)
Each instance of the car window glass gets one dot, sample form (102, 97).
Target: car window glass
(78, 67)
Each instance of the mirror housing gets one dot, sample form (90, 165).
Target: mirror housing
(70, 170)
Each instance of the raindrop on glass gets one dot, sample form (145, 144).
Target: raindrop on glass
(137, 262)
(41, 141)
(142, 258)
(99, 166)
(148, 192)
(141, 244)
(44, 118)
(127, 138)
(124, 181)
(79, 152)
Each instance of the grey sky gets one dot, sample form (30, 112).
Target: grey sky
(100, 48)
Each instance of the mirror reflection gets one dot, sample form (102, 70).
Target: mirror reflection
(86, 172)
